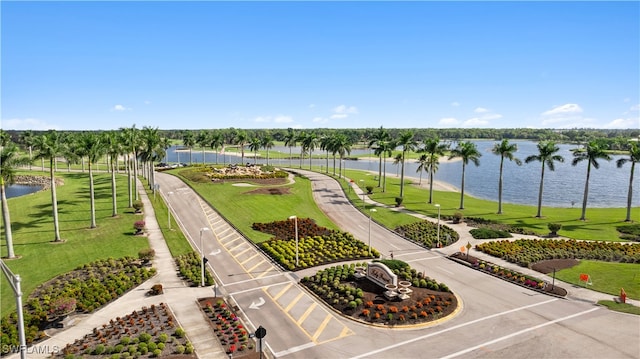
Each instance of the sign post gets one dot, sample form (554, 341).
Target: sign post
(260, 333)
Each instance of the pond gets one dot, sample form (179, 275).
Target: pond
(17, 190)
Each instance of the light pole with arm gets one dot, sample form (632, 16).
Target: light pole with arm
(203, 229)
(370, 213)
(438, 206)
(295, 218)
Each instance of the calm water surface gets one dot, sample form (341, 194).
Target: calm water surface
(563, 187)
(17, 190)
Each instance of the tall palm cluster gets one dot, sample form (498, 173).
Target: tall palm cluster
(136, 149)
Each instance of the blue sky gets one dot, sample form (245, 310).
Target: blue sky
(192, 65)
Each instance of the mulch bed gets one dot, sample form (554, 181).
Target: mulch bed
(541, 266)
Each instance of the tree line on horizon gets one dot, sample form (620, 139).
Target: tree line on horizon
(141, 148)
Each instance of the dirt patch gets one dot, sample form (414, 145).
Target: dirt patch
(547, 266)
(278, 191)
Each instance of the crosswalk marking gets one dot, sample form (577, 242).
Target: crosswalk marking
(322, 327)
(284, 290)
(294, 302)
(306, 313)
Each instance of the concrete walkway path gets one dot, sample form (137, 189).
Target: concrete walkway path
(181, 298)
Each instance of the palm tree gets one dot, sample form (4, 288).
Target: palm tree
(467, 151)
(5, 138)
(290, 140)
(114, 149)
(91, 146)
(504, 149)
(547, 156)
(434, 150)
(241, 139)
(423, 165)
(407, 142)
(325, 145)
(131, 143)
(309, 143)
(49, 146)
(216, 140)
(150, 150)
(634, 157)
(254, 145)
(380, 136)
(203, 140)
(188, 139)
(301, 136)
(267, 143)
(26, 137)
(384, 149)
(396, 162)
(592, 153)
(10, 159)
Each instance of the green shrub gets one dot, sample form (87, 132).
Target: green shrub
(487, 233)
(162, 338)
(179, 349)
(157, 353)
(554, 228)
(398, 201)
(99, 349)
(180, 333)
(137, 205)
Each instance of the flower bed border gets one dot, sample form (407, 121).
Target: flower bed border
(476, 266)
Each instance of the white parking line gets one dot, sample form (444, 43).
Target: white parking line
(452, 328)
(465, 351)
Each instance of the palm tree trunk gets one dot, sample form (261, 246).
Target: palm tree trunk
(203, 155)
(290, 160)
(30, 157)
(500, 187)
(586, 194)
(630, 195)
(310, 155)
(190, 157)
(130, 194)
(402, 176)
(92, 197)
(379, 170)
(384, 174)
(267, 156)
(462, 187)
(114, 202)
(7, 221)
(327, 169)
(334, 164)
(540, 193)
(54, 203)
(431, 185)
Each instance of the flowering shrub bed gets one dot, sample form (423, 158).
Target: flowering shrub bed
(510, 275)
(524, 252)
(189, 267)
(284, 230)
(229, 329)
(149, 332)
(425, 233)
(84, 290)
(364, 300)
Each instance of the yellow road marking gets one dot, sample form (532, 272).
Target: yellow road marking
(306, 314)
(264, 273)
(346, 331)
(275, 297)
(294, 302)
(248, 259)
(234, 248)
(255, 266)
(322, 327)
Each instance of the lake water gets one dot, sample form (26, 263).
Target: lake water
(563, 187)
(17, 190)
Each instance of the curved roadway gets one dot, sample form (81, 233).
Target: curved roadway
(497, 320)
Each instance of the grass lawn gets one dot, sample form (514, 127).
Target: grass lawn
(32, 224)
(175, 239)
(600, 225)
(620, 307)
(606, 277)
(242, 208)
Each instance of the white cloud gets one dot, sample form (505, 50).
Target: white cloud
(475, 122)
(448, 121)
(635, 108)
(27, 124)
(623, 123)
(120, 108)
(480, 110)
(346, 109)
(455, 104)
(563, 110)
(338, 116)
(320, 120)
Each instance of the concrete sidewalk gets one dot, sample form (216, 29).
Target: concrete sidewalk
(574, 292)
(181, 298)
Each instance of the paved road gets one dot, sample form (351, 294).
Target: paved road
(498, 319)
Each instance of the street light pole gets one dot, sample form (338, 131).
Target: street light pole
(370, 213)
(438, 206)
(169, 209)
(203, 229)
(295, 218)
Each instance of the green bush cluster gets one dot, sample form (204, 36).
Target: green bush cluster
(630, 232)
(91, 285)
(190, 269)
(417, 279)
(488, 233)
(426, 233)
(318, 250)
(525, 252)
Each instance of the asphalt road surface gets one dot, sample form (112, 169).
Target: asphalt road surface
(497, 319)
